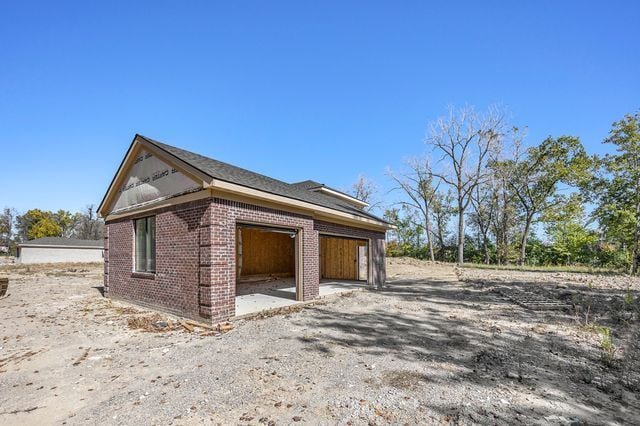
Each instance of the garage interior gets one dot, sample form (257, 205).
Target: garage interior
(265, 268)
(267, 262)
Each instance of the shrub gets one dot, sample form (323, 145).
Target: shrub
(607, 348)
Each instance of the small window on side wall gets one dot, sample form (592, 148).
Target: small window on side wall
(145, 244)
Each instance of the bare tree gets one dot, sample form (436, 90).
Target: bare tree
(464, 141)
(88, 225)
(442, 212)
(365, 190)
(417, 185)
(7, 219)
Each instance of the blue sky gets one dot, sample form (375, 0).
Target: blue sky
(350, 86)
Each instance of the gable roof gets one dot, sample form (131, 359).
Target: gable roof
(239, 176)
(62, 242)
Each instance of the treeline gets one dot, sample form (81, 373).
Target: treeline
(36, 223)
(480, 195)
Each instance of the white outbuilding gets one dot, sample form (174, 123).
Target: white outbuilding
(60, 250)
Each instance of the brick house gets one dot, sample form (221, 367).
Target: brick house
(190, 235)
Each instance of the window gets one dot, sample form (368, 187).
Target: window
(146, 244)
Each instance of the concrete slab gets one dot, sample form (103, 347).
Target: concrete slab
(328, 287)
(263, 295)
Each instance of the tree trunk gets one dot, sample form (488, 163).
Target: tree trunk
(440, 244)
(427, 227)
(484, 230)
(485, 245)
(523, 241)
(460, 234)
(636, 232)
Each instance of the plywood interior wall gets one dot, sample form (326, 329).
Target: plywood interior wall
(264, 253)
(339, 258)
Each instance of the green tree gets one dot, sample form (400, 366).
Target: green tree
(619, 207)
(405, 233)
(36, 223)
(536, 177)
(66, 221)
(572, 241)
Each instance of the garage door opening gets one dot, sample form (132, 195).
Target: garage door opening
(344, 264)
(266, 268)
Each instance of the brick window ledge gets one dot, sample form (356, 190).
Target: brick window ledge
(146, 275)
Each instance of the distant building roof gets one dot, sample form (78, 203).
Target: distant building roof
(62, 242)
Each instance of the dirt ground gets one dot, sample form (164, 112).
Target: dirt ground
(437, 345)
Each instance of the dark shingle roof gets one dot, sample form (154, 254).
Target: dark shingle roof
(59, 241)
(308, 184)
(232, 174)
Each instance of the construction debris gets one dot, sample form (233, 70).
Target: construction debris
(186, 326)
(4, 285)
(153, 323)
(199, 324)
(82, 357)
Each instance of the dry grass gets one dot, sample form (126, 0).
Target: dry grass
(581, 269)
(278, 311)
(49, 268)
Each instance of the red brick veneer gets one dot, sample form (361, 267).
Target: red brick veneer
(195, 256)
(219, 279)
(174, 287)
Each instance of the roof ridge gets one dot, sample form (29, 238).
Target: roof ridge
(162, 145)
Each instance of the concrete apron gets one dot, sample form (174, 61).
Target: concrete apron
(254, 301)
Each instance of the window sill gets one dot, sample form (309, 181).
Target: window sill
(146, 275)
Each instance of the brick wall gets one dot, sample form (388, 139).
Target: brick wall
(220, 289)
(196, 260)
(174, 286)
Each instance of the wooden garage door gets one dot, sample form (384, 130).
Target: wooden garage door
(339, 258)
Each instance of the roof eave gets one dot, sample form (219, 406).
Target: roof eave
(231, 187)
(348, 198)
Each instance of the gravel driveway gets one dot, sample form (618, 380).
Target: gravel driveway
(427, 349)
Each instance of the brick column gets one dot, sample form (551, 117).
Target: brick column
(106, 259)
(310, 263)
(221, 268)
(204, 265)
